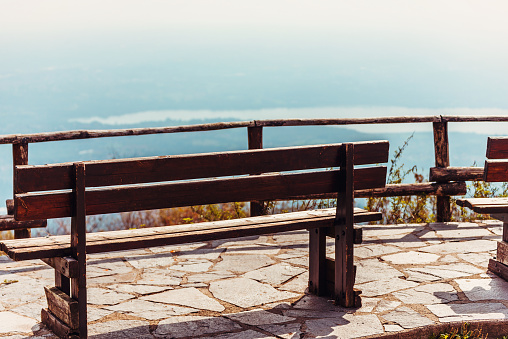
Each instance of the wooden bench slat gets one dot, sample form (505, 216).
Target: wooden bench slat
(37, 248)
(496, 171)
(202, 192)
(7, 222)
(184, 167)
(497, 148)
(485, 205)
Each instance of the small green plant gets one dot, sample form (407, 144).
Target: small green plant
(403, 209)
(464, 332)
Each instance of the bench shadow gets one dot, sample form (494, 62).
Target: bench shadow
(237, 326)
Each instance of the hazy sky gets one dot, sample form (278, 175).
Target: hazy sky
(459, 18)
(111, 58)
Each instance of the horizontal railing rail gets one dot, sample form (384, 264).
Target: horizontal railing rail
(445, 182)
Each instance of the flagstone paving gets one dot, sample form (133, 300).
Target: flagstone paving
(411, 275)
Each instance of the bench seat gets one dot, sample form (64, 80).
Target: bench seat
(485, 205)
(59, 246)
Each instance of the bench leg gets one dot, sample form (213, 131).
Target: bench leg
(61, 316)
(344, 271)
(317, 262)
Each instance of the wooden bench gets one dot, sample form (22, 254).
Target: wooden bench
(496, 170)
(111, 186)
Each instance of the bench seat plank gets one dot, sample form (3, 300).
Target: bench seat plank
(7, 222)
(38, 248)
(485, 205)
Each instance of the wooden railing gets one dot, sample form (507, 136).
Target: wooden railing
(446, 181)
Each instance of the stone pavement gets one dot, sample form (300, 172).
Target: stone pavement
(411, 275)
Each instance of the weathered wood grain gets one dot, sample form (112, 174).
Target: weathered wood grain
(67, 266)
(19, 157)
(497, 148)
(442, 159)
(36, 248)
(182, 167)
(456, 173)
(485, 205)
(502, 252)
(498, 268)
(55, 325)
(62, 306)
(496, 171)
(255, 141)
(7, 222)
(156, 196)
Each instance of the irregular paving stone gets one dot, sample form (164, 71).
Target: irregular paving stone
(120, 329)
(199, 254)
(151, 260)
(275, 274)
(184, 326)
(95, 313)
(302, 261)
(428, 294)
(449, 258)
(249, 334)
(447, 271)
(368, 304)
(403, 240)
(97, 268)
(243, 263)
(293, 253)
(10, 291)
(188, 296)
(209, 276)
(455, 231)
(430, 237)
(381, 231)
(473, 246)
(387, 305)
(411, 258)
(197, 285)
(113, 279)
(176, 248)
(380, 287)
(157, 277)
(368, 270)
(292, 238)
(368, 251)
(117, 254)
(245, 292)
(102, 296)
(286, 331)
(192, 266)
(484, 289)
(139, 289)
(258, 317)
(12, 322)
(480, 259)
(407, 318)
(470, 311)
(298, 284)
(266, 249)
(31, 310)
(349, 326)
(150, 310)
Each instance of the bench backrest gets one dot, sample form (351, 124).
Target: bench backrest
(122, 185)
(496, 166)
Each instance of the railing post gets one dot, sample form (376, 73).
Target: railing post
(255, 137)
(19, 157)
(442, 157)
